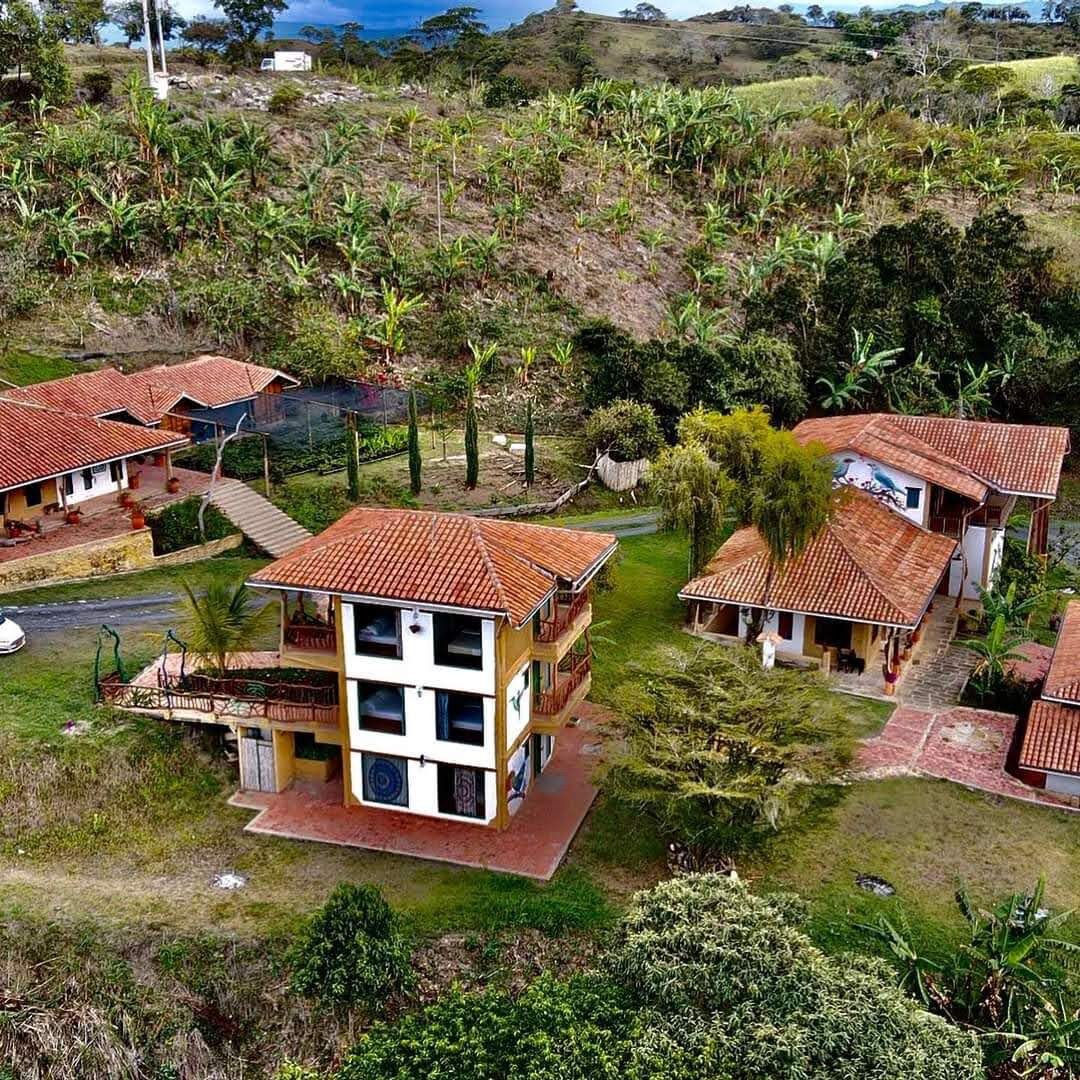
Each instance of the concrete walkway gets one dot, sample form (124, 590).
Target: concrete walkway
(258, 518)
(940, 669)
(966, 746)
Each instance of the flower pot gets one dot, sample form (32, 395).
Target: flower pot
(890, 689)
(138, 519)
(125, 500)
(172, 485)
(73, 517)
(134, 480)
(158, 460)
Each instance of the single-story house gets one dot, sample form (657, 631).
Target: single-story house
(195, 397)
(857, 591)
(54, 460)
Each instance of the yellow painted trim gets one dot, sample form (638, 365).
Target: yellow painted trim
(554, 651)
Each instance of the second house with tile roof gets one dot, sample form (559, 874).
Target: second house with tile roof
(927, 504)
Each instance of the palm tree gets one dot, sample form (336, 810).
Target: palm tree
(223, 621)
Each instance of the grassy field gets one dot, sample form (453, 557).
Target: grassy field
(1042, 75)
(23, 368)
(791, 93)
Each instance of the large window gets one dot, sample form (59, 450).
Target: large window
(459, 718)
(386, 779)
(785, 625)
(32, 492)
(459, 641)
(461, 791)
(378, 630)
(381, 707)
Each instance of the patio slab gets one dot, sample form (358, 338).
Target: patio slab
(533, 845)
(966, 746)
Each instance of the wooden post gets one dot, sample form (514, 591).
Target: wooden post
(168, 465)
(266, 462)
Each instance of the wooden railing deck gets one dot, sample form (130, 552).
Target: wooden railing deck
(551, 630)
(550, 702)
(311, 637)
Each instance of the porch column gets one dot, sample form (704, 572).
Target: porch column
(168, 465)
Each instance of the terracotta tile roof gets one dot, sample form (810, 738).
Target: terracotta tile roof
(1063, 678)
(209, 381)
(1051, 738)
(961, 455)
(455, 560)
(869, 564)
(36, 442)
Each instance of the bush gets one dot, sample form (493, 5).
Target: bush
(705, 980)
(771, 1003)
(1019, 568)
(627, 430)
(317, 346)
(285, 98)
(97, 86)
(50, 74)
(177, 526)
(352, 952)
(506, 90)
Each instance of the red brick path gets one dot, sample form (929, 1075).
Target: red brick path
(532, 845)
(966, 746)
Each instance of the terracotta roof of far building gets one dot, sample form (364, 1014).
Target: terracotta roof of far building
(868, 564)
(1051, 738)
(147, 395)
(1063, 678)
(965, 456)
(38, 443)
(452, 560)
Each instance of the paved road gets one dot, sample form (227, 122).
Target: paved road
(153, 610)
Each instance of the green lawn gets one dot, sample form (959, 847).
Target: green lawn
(925, 837)
(23, 368)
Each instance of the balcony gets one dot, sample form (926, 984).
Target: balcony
(553, 637)
(573, 677)
(267, 694)
(311, 637)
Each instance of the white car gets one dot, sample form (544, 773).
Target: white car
(12, 638)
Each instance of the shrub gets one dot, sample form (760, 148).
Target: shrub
(50, 74)
(97, 86)
(627, 430)
(772, 1003)
(315, 508)
(285, 98)
(177, 526)
(1019, 568)
(505, 90)
(317, 346)
(352, 952)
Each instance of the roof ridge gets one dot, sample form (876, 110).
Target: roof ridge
(482, 544)
(931, 451)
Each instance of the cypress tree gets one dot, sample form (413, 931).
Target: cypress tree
(414, 446)
(352, 456)
(530, 453)
(472, 442)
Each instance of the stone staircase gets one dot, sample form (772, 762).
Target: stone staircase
(257, 518)
(940, 669)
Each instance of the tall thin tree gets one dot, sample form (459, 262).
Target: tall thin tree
(472, 441)
(530, 450)
(415, 482)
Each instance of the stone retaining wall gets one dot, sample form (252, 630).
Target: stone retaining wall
(111, 555)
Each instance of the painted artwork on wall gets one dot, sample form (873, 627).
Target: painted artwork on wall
(871, 477)
(518, 775)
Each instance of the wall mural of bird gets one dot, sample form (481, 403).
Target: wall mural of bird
(884, 487)
(518, 781)
(840, 469)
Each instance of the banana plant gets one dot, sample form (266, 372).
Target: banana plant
(398, 309)
(865, 370)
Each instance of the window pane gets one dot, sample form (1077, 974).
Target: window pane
(380, 708)
(461, 791)
(459, 718)
(378, 630)
(459, 641)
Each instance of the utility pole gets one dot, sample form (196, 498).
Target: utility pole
(160, 37)
(159, 84)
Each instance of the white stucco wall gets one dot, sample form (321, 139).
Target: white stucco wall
(420, 678)
(860, 474)
(1065, 785)
(424, 792)
(789, 646)
(101, 483)
(518, 704)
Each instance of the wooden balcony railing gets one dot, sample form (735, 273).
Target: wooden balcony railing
(550, 702)
(552, 629)
(947, 525)
(311, 637)
(211, 696)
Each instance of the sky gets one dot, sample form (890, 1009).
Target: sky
(497, 13)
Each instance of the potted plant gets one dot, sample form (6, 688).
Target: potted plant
(126, 499)
(158, 460)
(172, 485)
(138, 517)
(134, 479)
(73, 516)
(891, 678)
